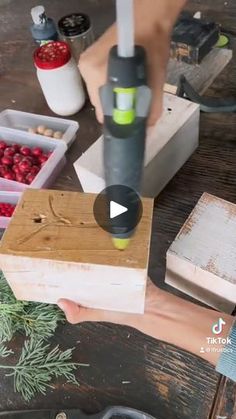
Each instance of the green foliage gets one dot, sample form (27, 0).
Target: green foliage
(41, 320)
(6, 295)
(4, 352)
(9, 320)
(34, 320)
(37, 367)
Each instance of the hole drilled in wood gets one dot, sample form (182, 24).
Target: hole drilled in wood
(169, 109)
(38, 220)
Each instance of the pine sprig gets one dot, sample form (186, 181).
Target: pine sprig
(37, 367)
(6, 295)
(9, 320)
(4, 352)
(34, 320)
(39, 321)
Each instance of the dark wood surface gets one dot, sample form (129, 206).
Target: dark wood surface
(162, 380)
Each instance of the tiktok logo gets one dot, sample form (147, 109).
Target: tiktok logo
(218, 326)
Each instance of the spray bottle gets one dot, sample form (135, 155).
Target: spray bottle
(43, 29)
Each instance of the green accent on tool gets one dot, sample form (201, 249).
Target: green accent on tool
(121, 244)
(222, 42)
(124, 98)
(126, 90)
(123, 117)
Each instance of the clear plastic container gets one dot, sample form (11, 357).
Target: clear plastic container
(10, 198)
(22, 121)
(51, 168)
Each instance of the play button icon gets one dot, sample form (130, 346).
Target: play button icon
(118, 210)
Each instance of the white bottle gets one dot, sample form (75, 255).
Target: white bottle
(59, 78)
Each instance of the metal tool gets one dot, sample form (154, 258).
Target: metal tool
(126, 101)
(110, 412)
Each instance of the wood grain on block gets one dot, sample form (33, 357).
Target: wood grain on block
(202, 260)
(53, 248)
(169, 144)
(200, 76)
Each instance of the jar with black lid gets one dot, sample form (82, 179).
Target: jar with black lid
(76, 30)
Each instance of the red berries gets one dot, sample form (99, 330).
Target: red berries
(43, 158)
(6, 210)
(35, 169)
(25, 151)
(21, 163)
(9, 152)
(20, 178)
(3, 145)
(8, 161)
(30, 177)
(17, 158)
(9, 175)
(16, 147)
(37, 151)
(3, 170)
(25, 165)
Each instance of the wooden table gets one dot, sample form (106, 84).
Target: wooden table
(160, 379)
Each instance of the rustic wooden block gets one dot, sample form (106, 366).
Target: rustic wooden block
(168, 145)
(202, 260)
(53, 248)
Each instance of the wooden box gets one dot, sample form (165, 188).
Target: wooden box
(53, 248)
(168, 145)
(202, 260)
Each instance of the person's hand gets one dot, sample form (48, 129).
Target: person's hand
(93, 66)
(166, 317)
(77, 314)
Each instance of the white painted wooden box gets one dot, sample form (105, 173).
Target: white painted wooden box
(201, 261)
(169, 144)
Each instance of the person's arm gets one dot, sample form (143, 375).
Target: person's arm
(167, 318)
(154, 20)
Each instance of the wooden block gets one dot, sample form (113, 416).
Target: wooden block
(168, 145)
(202, 260)
(200, 76)
(53, 248)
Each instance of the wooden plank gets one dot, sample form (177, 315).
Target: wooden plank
(126, 368)
(223, 13)
(54, 248)
(168, 145)
(225, 402)
(202, 260)
(200, 76)
(178, 385)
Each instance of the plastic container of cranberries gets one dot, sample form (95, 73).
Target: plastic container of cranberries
(9, 118)
(51, 168)
(8, 198)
